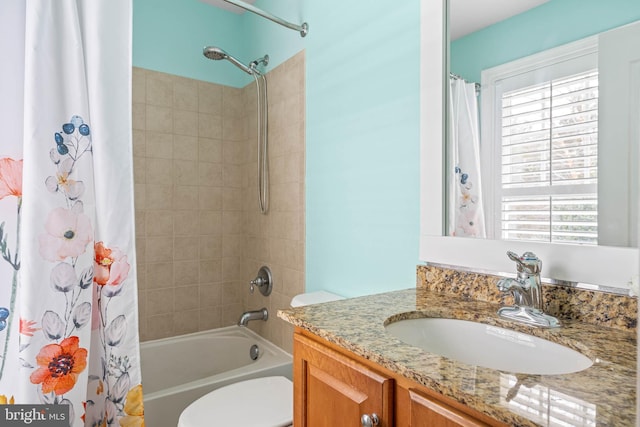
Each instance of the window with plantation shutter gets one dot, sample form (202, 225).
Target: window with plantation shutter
(541, 132)
(549, 159)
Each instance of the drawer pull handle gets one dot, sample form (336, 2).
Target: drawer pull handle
(370, 420)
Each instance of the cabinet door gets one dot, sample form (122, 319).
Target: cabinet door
(332, 390)
(427, 412)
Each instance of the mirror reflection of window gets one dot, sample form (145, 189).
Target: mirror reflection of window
(576, 184)
(541, 146)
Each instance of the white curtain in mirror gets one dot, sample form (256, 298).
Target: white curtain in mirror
(465, 210)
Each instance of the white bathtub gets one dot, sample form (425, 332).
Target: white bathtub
(178, 370)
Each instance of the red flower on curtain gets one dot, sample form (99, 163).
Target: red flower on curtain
(27, 327)
(10, 177)
(110, 267)
(59, 366)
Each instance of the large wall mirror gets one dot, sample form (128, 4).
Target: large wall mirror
(550, 90)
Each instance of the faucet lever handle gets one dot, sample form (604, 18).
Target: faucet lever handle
(528, 262)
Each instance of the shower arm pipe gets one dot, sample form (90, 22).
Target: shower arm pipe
(303, 29)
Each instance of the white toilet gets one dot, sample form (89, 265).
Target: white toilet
(259, 402)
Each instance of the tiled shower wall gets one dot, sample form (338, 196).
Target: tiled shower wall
(200, 237)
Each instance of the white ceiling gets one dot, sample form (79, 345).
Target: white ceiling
(467, 16)
(227, 6)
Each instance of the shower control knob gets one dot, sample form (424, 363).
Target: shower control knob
(370, 420)
(256, 282)
(264, 281)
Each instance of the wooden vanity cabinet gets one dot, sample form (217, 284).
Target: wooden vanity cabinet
(332, 390)
(334, 387)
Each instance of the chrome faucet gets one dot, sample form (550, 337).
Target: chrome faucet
(526, 289)
(261, 314)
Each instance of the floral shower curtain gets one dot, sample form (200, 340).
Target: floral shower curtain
(466, 214)
(68, 299)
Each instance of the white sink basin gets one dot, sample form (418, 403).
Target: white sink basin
(489, 346)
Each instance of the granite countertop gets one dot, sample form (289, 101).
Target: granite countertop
(602, 395)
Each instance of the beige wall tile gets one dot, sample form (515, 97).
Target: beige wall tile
(141, 278)
(185, 147)
(139, 143)
(210, 222)
(211, 247)
(185, 94)
(139, 170)
(185, 197)
(185, 172)
(210, 198)
(138, 86)
(160, 275)
(139, 116)
(159, 145)
(159, 171)
(210, 174)
(211, 271)
(159, 91)
(160, 326)
(186, 322)
(209, 126)
(185, 122)
(186, 248)
(210, 98)
(186, 273)
(235, 152)
(139, 196)
(187, 298)
(185, 223)
(232, 102)
(210, 150)
(158, 196)
(200, 236)
(231, 314)
(233, 223)
(210, 318)
(159, 223)
(160, 249)
(159, 119)
(159, 301)
(233, 129)
(231, 200)
(231, 269)
(210, 295)
(232, 175)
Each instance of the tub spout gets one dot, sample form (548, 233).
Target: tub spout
(261, 314)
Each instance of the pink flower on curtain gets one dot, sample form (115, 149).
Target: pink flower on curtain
(68, 234)
(110, 267)
(59, 366)
(10, 177)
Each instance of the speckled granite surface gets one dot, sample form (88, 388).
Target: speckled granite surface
(598, 308)
(602, 395)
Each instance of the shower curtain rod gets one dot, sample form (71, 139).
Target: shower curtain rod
(457, 77)
(303, 29)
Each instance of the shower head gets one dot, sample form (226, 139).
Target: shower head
(215, 53)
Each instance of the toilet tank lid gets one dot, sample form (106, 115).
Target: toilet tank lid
(316, 297)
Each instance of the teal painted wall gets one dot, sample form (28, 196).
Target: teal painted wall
(362, 110)
(552, 24)
(168, 36)
(363, 61)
